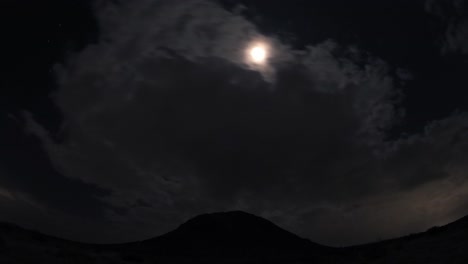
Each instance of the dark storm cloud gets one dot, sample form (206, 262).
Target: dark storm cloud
(454, 14)
(164, 110)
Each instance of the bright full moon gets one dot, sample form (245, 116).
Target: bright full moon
(258, 54)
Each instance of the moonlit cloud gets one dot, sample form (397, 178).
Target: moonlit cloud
(167, 109)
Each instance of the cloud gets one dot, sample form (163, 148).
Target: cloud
(38, 182)
(164, 110)
(34, 195)
(454, 15)
(424, 179)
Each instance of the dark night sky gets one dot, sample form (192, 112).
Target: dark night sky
(119, 120)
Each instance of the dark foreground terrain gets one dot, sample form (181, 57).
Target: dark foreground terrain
(234, 237)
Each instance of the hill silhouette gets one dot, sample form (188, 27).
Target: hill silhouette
(232, 234)
(445, 244)
(235, 237)
(229, 232)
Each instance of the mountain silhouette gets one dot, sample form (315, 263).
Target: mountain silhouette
(234, 233)
(234, 237)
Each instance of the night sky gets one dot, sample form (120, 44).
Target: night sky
(119, 120)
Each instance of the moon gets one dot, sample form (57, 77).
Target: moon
(258, 54)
